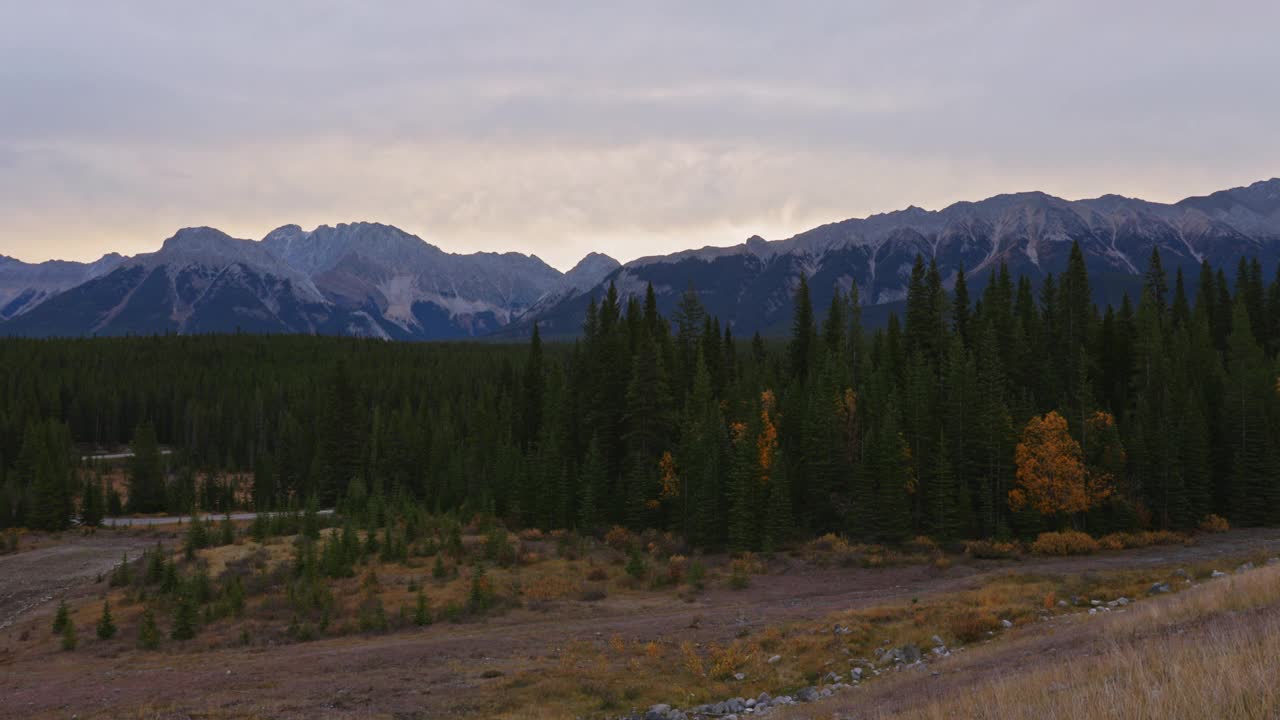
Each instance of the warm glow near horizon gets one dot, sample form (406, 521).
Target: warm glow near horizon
(556, 130)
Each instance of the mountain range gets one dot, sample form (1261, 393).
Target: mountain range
(368, 279)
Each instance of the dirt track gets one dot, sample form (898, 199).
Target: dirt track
(432, 673)
(31, 578)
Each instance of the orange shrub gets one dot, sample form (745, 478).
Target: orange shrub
(552, 587)
(970, 625)
(619, 538)
(991, 550)
(1215, 524)
(1068, 542)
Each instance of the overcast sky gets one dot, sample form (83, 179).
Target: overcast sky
(632, 128)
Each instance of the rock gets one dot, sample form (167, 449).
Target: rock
(907, 654)
(1182, 573)
(937, 641)
(749, 703)
(832, 677)
(774, 659)
(1006, 624)
(808, 694)
(1063, 603)
(1095, 603)
(856, 674)
(825, 692)
(739, 676)
(660, 711)
(1159, 589)
(735, 705)
(1218, 574)
(1122, 601)
(763, 698)
(941, 651)
(1273, 561)
(1245, 567)
(1093, 611)
(719, 709)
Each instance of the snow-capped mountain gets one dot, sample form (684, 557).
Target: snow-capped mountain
(750, 284)
(376, 280)
(417, 289)
(23, 286)
(361, 279)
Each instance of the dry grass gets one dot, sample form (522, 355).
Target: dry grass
(1207, 652)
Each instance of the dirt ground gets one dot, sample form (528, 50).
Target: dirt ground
(54, 569)
(437, 671)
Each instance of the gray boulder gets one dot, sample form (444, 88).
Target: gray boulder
(808, 694)
(1159, 589)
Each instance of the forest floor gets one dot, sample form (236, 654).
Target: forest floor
(517, 664)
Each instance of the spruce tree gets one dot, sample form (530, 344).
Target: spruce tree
(803, 330)
(91, 503)
(148, 633)
(106, 626)
(185, 618)
(421, 611)
(146, 472)
(69, 637)
(61, 617)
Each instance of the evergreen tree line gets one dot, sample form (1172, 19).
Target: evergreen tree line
(671, 422)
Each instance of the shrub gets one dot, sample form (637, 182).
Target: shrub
(481, 596)
(970, 625)
(619, 538)
(677, 566)
(498, 548)
(550, 587)
(991, 550)
(373, 616)
(1068, 542)
(636, 566)
(598, 574)
(121, 575)
(421, 611)
(1214, 524)
(593, 593)
(697, 571)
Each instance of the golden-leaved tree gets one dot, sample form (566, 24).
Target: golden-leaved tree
(1052, 477)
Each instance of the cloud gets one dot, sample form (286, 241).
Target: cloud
(557, 128)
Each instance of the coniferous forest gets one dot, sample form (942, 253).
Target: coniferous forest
(1024, 409)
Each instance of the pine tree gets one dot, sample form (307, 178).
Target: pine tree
(421, 611)
(185, 618)
(146, 472)
(534, 385)
(1249, 389)
(148, 633)
(69, 637)
(803, 331)
(106, 626)
(91, 503)
(61, 617)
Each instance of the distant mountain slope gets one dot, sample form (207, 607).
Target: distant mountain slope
(23, 286)
(375, 280)
(750, 284)
(360, 279)
(418, 288)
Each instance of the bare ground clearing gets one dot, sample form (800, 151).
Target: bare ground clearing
(436, 672)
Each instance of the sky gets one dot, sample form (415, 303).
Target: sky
(630, 128)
